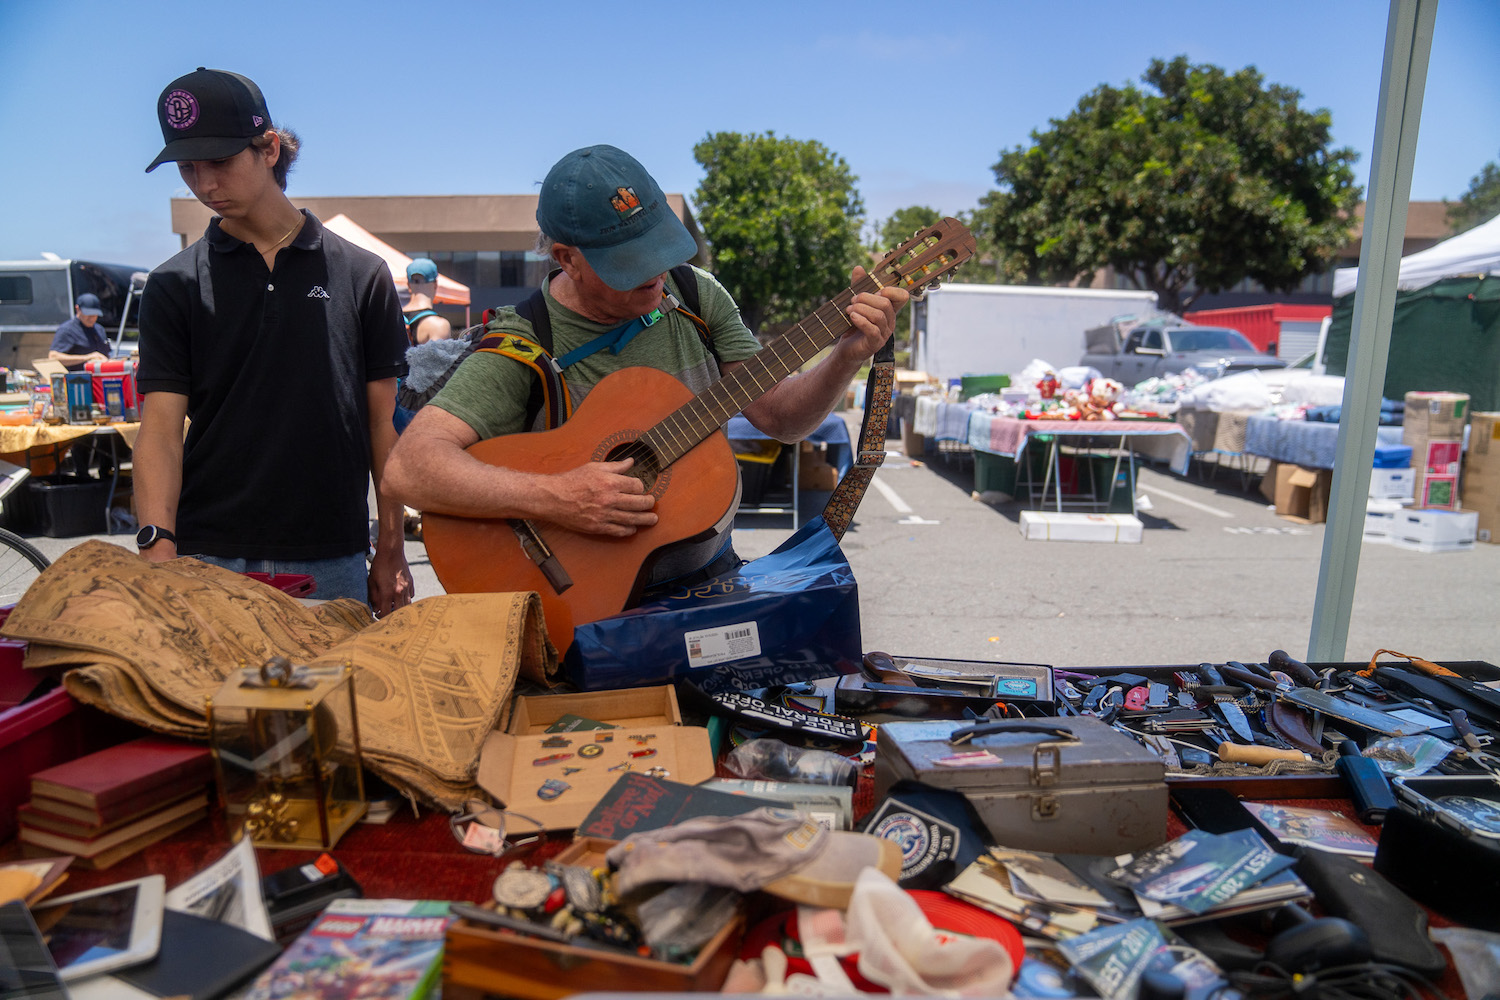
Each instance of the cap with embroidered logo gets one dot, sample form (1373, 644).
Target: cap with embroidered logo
(207, 115)
(601, 200)
(422, 268)
(88, 305)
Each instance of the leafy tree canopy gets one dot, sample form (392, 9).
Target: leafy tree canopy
(783, 218)
(1200, 180)
(1480, 203)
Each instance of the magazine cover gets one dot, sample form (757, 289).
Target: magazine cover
(1321, 828)
(389, 948)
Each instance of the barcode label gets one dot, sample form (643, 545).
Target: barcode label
(708, 646)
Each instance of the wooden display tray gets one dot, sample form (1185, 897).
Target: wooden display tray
(479, 960)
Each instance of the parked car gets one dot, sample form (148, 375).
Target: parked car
(1156, 346)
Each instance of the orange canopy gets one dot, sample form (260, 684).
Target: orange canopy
(448, 290)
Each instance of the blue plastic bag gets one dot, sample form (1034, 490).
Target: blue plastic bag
(787, 617)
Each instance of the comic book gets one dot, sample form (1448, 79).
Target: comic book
(390, 948)
(1321, 828)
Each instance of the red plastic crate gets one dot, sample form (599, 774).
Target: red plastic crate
(296, 584)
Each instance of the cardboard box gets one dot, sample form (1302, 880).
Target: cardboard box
(1481, 474)
(1434, 415)
(1393, 484)
(1051, 526)
(502, 963)
(516, 768)
(1300, 494)
(627, 708)
(1435, 530)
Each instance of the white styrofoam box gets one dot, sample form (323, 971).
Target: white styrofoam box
(1435, 530)
(1380, 519)
(1053, 526)
(1393, 484)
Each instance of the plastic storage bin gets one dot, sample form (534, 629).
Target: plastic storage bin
(68, 506)
(973, 385)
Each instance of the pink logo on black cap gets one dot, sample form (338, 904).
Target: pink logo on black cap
(181, 108)
(257, 120)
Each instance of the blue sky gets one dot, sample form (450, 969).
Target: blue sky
(458, 98)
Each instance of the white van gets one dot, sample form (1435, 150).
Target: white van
(37, 296)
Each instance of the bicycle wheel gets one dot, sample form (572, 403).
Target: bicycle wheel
(20, 563)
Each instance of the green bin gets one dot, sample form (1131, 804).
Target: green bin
(972, 385)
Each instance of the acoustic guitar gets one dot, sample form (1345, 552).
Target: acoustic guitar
(682, 458)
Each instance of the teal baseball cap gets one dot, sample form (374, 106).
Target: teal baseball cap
(423, 268)
(602, 201)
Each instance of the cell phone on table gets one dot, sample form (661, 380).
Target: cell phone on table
(103, 929)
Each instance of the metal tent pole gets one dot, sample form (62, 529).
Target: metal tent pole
(1408, 44)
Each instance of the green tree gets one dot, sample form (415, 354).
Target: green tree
(783, 218)
(1480, 203)
(1189, 186)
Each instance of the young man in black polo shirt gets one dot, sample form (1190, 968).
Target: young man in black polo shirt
(283, 343)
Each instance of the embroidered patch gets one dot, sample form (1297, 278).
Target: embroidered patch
(625, 202)
(181, 108)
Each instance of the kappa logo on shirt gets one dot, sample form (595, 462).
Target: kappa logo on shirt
(318, 293)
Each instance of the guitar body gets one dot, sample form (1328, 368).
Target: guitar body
(692, 494)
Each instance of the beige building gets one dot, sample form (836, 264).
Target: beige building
(484, 241)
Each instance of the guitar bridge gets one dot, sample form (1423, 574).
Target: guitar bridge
(539, 552)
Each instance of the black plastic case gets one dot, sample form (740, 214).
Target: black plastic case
(1441, 845)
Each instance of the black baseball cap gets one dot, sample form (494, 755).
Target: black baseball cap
(208, 115)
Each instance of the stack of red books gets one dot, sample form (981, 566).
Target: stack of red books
(107, 805)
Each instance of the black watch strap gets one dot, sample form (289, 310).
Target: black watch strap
(151, 534)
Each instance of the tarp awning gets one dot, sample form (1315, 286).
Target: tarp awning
(449, 291)
(1474, 252)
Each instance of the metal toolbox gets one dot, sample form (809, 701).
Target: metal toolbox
(1071, 785)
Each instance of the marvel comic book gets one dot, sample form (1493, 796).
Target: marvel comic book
(388, 948)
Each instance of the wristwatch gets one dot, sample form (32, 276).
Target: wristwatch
(151, 534)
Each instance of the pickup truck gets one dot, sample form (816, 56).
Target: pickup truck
(1152, 350)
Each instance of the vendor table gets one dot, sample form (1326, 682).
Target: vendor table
(1309, 443)
(833, 432)
(39, 448)
(1157, 439)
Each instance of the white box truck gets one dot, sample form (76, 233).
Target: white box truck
(963, 329)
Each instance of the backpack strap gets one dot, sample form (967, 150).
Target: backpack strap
(687, 284)
(413, 321)
(549, 393)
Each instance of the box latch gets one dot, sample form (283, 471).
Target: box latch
(1044, 807)
(1046, 775)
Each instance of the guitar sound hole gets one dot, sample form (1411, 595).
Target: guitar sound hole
(646, 468)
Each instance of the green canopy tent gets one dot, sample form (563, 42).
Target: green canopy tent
(1446, 331)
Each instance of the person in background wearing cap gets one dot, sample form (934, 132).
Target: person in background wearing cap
(80, 340)
(606, 224)
(422, 321)
(282, 342)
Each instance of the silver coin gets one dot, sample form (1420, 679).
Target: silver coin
(522, 888)
(582, 888)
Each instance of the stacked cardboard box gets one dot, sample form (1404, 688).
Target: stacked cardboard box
(1482, 475)
(1434, 427)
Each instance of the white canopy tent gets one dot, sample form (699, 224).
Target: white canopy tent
(449, 291)
(1474, 252)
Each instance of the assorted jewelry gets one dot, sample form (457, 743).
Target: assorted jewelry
(572, 899)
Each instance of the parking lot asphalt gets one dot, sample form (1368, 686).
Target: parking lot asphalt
(1217, 576)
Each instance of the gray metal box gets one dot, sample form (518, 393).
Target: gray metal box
(1070, 785)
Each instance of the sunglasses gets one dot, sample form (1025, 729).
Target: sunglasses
(484, 829)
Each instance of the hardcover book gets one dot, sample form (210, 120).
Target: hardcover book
(114, 775)
(390, 948)
(109, 856)
(64, 818)
(87, 847)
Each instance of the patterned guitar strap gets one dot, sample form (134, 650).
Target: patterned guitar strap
(839, 512)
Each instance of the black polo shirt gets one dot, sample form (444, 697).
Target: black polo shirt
(75, 338)
(274, 365)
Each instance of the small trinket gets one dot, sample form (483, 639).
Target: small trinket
(522, 888)
(555, 900)
(658, 772)
(557, 741)
(552, 788)
(553, 758)
(624, 765)
(604, 737)
(590, 750)
(583, 890)
(643, 753)
(643, 737)
(571, 770)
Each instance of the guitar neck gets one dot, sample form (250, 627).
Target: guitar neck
(688, 425)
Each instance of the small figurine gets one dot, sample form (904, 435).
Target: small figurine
(1048, 385)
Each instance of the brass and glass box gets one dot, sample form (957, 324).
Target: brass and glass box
(286, 747)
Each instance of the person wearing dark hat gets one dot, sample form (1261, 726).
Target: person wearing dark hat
(423, 323)
(282, 342)
(607, 226)
(81, 340)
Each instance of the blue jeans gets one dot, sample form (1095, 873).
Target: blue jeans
(342, 576)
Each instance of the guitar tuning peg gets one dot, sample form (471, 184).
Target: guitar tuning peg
(919, 293)
(934, 286)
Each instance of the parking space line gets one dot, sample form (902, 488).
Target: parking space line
(1216, 512)
(902, 507)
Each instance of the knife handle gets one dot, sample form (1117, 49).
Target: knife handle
(1241, 754)
(1368, 788)
(1281, 660)
(1210, 674)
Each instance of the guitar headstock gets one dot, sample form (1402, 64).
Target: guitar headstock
(929, 257)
